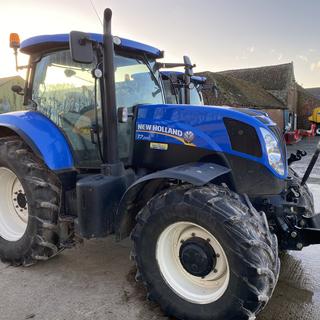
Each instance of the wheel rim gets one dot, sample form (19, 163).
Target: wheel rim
(14, 211)
(203, 289)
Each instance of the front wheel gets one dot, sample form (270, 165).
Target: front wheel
(205, 253)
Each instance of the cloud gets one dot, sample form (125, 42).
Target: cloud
(280, 56)
(303, 58)
(314, 66)
(312, 50)
(251, 49)
(242, 57)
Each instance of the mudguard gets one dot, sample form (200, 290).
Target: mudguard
(42, 135)
(197, 174)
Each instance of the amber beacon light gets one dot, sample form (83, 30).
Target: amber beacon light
(14, 41)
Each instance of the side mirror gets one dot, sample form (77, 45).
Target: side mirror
(81, 47)
(188, 66)
(17, 89)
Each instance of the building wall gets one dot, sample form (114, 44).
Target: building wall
(9, 101)
(293, 98)
(306, 106)
(277, 115)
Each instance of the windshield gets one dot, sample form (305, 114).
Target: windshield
(135, 84)
(195, 96)
(65, 92)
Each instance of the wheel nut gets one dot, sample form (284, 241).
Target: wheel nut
(299, 246)
(193, 234)
(208, 240)
(182, 241)
(294, 234)
(302, 223)
(215, 270)
(217, 255)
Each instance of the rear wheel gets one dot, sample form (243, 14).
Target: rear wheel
(205, 253)
(29, 205)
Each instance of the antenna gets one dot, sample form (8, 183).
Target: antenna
(96, 12)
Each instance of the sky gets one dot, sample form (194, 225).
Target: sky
(217, 34)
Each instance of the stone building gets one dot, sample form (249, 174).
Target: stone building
(279, 80)
(308, 99)
(271, 88)
(236, 92)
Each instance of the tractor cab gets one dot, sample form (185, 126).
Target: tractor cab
(69, 92)
(173, 82)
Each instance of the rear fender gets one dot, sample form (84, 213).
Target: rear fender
(140, 192)
(44, 138)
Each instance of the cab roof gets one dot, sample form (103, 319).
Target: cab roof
(50, 42)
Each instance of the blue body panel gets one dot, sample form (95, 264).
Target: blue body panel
(198, 126)
(28, 44)
(43, 134)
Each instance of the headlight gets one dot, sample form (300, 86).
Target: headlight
(273, 151)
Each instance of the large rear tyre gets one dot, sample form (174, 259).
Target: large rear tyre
(29, 205)
(205, 253)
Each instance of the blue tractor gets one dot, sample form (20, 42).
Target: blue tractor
(204, 191)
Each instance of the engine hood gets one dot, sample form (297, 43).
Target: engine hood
(203, 127)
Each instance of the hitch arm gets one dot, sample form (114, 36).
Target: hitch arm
(311, 165)
(309, 236)
(311, 233)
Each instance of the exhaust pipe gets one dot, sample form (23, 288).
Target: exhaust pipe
(109, 112)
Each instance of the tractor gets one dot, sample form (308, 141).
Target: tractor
(205, 192)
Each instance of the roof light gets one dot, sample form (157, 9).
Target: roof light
(14, 41)
(117, 41)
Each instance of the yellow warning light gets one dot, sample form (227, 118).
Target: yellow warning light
(14, 41)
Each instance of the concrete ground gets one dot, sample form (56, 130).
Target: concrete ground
(96, 281)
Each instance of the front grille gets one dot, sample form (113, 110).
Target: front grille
(243, 137)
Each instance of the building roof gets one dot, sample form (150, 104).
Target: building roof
(237, 92)
(35, 44)
(276, 77)
(314, 91)
(7, 79)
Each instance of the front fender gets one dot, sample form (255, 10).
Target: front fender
(197, 174)
(42, 135)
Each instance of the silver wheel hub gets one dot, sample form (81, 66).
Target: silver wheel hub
(14, 212)
(193, 263)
